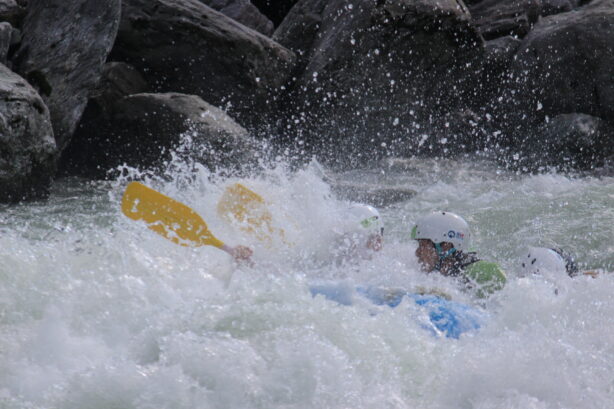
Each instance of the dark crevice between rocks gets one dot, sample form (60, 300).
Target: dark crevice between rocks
(275, 10)
(39, 81)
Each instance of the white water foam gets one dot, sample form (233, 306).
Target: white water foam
(97, 311)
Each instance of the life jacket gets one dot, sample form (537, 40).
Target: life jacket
(480, 277)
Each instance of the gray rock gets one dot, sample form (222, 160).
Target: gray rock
(185, 46)
(144, 130)
(12, 12)
(64, 46)
(117, 80)
(377, 73)
(570, 141)
(244, 12)
(28, 151)
(500, 18)
(502, 49)
(566, 64)
(15, 37)
(6, 34)
(607, 170)
(299, 30)
(498, 56)
(549, 7)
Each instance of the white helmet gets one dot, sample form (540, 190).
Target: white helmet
(541, 260)
(366, 218)
(443, 227)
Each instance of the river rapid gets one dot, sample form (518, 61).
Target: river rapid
(97, 311)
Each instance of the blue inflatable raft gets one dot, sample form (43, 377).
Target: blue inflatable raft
(445, 318)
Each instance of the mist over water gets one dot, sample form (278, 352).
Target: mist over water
(97, 311)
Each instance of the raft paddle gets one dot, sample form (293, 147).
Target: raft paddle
(168, 217)
(239, 204)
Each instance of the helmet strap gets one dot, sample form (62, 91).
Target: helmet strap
(442, 255)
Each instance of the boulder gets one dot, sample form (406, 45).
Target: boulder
(501, 51)
(300, 28)
(63, 48)
(499, 18)
(117, 80)
(185, 46)
(456, 132)
(145, 131)
(12, 12)
(377, 74)
(28, 151)
(549, 7)
(569, 141)
(494, 65)
(565, 65)
(6, 35)
(244, 12)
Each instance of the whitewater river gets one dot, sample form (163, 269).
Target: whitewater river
(97, 311)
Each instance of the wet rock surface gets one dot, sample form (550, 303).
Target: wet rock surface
(570, 141)
(186, 46)
(376, 74)
(28, 152)
(244, 12)
(63, 49)
(347, 82)
(566, 63)
(12, 11)
(145, 130)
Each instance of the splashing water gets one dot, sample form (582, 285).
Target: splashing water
(96, 311)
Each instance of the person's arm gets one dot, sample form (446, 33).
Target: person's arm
(239, 253)
(375, 242)
(592, 273)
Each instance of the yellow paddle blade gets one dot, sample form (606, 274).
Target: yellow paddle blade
(167, 217)
(240, 205)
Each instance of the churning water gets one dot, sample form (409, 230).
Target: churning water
(97, 311)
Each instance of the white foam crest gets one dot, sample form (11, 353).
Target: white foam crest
(535, 350)
(97, 311)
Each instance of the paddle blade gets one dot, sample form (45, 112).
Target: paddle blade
(240, 205)
(167, 217)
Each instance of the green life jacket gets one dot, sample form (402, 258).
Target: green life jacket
(481, 277)
(484, 277)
